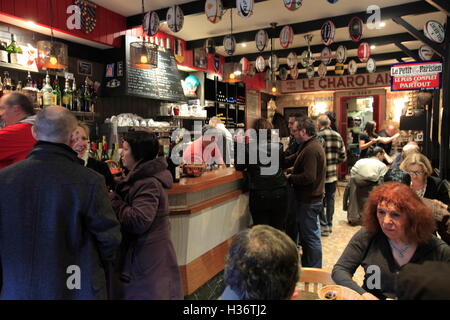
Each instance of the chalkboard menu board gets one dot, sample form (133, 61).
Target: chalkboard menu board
(163, 83)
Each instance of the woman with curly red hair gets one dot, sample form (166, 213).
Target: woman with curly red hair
(398, 229)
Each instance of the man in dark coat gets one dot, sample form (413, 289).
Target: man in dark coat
(57, 225)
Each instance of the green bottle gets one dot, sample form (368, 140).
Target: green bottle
(67, 96)
(56, 93)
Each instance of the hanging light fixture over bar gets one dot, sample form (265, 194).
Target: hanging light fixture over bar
(52, 54)
(232, 71)
(143, 55)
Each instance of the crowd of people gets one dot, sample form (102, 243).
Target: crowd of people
(66, 223)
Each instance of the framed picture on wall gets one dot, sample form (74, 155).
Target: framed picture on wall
(84, 68)
(200, 58)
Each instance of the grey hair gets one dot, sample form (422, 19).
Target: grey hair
(324, 120)
(55, 124)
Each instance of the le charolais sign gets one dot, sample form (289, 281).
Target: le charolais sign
(357, 81)
(416, 76)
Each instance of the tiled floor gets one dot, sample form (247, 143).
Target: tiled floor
(335, 243)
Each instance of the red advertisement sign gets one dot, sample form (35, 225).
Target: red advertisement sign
(416, 76)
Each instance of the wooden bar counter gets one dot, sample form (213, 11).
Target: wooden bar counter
(206, 213)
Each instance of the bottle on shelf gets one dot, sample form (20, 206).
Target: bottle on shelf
(86, 96)
(75, 97)
(7, 87)
(67, 96)
(1, 87)
(104, 156)
(56, 93)
(3, 52)
(13, 50)
(39, 93)
(47, 92)
(30, 90)
(93, 153)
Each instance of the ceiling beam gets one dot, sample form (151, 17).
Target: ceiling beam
(420, 36)
(379, 41)
(190, 8)
(442, 5)
(413, 8)
(410, 53)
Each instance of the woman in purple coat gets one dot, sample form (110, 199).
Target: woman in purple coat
(147, 267)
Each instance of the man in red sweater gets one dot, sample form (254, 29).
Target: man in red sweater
(17, 116)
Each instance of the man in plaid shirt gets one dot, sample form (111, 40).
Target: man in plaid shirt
(334, 148)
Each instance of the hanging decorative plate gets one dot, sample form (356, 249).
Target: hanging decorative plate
(292, 4)
(339, 68)
(210, 46)
(151, 23)
(175, 18)
(283, 73)
(214, 10)
(245, 65)
(286, 37)
(244, 8)
(341, 54)
(310, 72)
(292, 60)
(260, 64)
(434, 31)
(371, 65)
(364, 52)
(273, 62)
(322, 70)
(88, 11)
(425, 53)
(327, 32)
(229, 44)
(352, 67)
(326, 56)
(261, 39)
(294, 73)
(216, 63)
(356, 29)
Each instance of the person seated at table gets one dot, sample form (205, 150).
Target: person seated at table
(427, 281)
(371, 168)
(398, 229)
(262, 264)
(423, 184)
(206, 149)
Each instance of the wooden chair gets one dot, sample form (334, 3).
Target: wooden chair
(313, 279)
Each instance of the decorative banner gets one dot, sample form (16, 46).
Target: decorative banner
(245, 65)
(341, 54)
(229, 44)
(348, 82)
(292, 4)
(310, 72)
(88, 15)
(214, 10)
(426, 53)
(286, 37)
(352, 67)
(151, 23)
(260, 64)
(216, 63)
(283, 73)
(434, 31)
(356, 29)
(210, 46)
(175, 18)
(294, 73)
(273, 62)
(322, 70)
(364, 52)
(327, 32)
(339, 68)
(244, 8)
(261, 39)
(416, 76)
(292, 60)
(371, 65)
(326, 56)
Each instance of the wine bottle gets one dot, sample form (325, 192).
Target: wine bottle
(67, 96)
(56, 93)
(75, 100)
(47, 92)
(13, 50)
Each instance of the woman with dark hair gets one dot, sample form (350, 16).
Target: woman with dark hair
(147, 265)
(279, 123)
(267, 183)
(398, 229)
(368, 138)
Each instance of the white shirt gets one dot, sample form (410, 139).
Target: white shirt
(369, 169)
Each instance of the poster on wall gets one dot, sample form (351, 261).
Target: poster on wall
(200, 58)
(416, 76)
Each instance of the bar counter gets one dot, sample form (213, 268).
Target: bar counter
(206, 213)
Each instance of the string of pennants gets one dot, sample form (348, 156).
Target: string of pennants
(214, 11)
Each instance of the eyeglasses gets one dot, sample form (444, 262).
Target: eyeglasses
(415, 173)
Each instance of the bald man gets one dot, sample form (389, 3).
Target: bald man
(57, 226)
(17, 118)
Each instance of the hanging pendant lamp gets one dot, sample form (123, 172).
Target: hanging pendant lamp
(52, 54)
(232, 71)
(143, 55)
